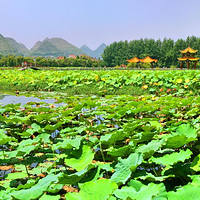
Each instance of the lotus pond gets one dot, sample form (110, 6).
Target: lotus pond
(103, 146)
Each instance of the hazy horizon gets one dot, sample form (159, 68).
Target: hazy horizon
(95, 22)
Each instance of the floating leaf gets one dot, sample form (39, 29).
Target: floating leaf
(81, 158)
(74, 178)
(189, 192)
(149, 149)
(36, 191)
(145, 192)
(125, 167)
(171, 159)
(196, 163)
(100, 189)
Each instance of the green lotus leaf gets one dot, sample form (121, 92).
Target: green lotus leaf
(23, 151)
(145, 192)
(17, 175)
(101, 189)
(149, 149)
(189, 192)
(55, 188)
(68, 143)
(171, 159)
(183, 135)
(50, 197)
(143, 175)
(120, 151)
(36, 191)
(111, 138)
(125, 167)
(3, 137)
(80, 159)
(176, 141)
(75, 177)
(196, 163)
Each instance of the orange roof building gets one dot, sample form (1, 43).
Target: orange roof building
(144, 60)
(188, 55)
(149, 60)
(134, 60)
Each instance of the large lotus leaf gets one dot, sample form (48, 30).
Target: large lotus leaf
(50, 197)
(5, 195)
(3, 137)
(143, 175)
(196, 163)
(75, 177)
(149, 149)
(189, 192)
(101, 189)
(68, 143)
(36, 191)
(125, 167)
(145, 136)
(120, 151)
(135, 184)
(176, 141)
(34, 128)
(81, 158)
(18, 175)
(23, 151)
(171, 159)
(183, 135)
(188, 131)
(145, 192)
(111, 138)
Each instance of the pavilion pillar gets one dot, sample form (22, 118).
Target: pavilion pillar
(195, 65)
(188, 64)
(181, 65)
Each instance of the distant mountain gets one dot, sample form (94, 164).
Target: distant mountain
(37, 44)
(65, 46)
(96, 53)
(86, 50)
(46, 49)
(19, 48)
(5, 47)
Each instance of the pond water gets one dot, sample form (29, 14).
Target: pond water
(8, 99)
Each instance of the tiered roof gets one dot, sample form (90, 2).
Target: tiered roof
(188, 49)
(188, 57)
(145, 60)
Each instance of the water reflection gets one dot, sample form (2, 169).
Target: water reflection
(8, 99)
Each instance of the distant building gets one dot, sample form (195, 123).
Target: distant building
(61, 57)
(71, 56)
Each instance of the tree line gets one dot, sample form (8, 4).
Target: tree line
(79, 61)
(166, 51)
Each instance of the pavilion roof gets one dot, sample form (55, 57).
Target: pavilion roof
(188, 49)
(134, 60)
(191, 59)
(148, 60)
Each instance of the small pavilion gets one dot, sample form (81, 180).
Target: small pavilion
(134, 60)
(149, 60)
(144, 60)
(188, 55)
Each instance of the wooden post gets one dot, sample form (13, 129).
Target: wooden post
(195, 65)
(181, 65)
(188, 64)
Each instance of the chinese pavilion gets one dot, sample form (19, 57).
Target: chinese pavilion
(144, 60)
(188, 55)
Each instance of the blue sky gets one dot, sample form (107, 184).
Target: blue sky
(93, 22)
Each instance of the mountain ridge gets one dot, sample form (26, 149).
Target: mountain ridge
(96, 53)
(54, 46)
